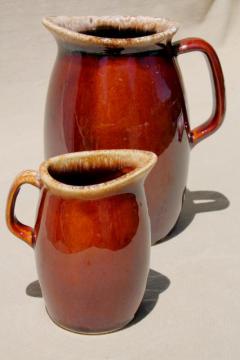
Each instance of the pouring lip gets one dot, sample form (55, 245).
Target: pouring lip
(70, 29)
(142, 162)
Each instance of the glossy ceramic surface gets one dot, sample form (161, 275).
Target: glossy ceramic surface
(91, 243)
(111, 93)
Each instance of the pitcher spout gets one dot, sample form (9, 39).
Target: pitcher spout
(95, 174)
(112, 32)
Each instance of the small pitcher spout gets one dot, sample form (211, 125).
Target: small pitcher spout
(96, 174)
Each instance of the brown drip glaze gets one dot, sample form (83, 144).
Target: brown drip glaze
(91, 240)
(123, 91)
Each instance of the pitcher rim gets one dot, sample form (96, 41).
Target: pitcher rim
(71, 29)
(141, 160)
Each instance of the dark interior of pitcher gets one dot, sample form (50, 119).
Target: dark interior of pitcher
(116, 32)
(81, 174)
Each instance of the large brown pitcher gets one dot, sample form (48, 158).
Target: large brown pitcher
(116, 84)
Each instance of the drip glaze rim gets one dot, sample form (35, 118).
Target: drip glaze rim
(142, 161)
(70, 29)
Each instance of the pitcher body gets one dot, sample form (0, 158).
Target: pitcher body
(116, 84)
(91, 238)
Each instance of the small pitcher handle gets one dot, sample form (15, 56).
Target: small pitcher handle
(216, 119)
(20, 230)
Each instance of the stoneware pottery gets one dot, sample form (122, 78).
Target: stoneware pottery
(92, 236)
(116, 84)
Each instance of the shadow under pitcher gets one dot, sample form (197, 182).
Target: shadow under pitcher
(91, 238)
(116, 84)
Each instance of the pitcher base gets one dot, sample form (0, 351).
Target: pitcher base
(88, 332)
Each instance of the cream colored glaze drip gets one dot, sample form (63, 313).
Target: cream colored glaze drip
(69, 29)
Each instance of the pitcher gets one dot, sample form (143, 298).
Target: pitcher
(116, 84)
(92, 236)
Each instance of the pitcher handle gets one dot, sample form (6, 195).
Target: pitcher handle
(214, 122)
(20, 230)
